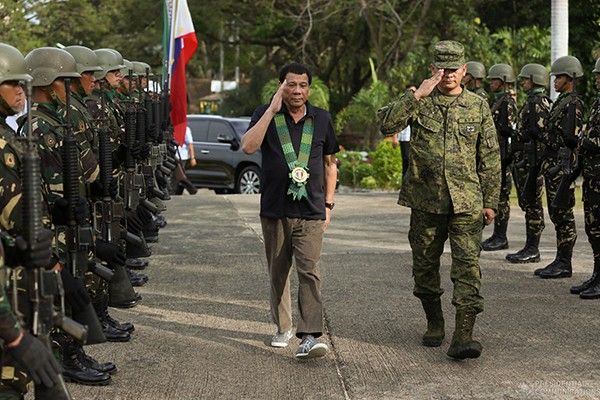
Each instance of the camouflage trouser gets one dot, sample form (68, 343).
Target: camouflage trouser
(501, 220)
(591, 208)
(534, 212)
(563, 218)
(427, 235)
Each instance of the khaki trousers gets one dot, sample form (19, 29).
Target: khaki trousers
(301, 239)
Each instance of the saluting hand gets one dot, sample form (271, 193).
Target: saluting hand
(277, 100)
(428, 85)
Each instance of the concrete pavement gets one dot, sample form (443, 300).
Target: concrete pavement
(203, 327)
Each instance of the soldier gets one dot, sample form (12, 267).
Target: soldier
(590, 159)
(566, 70)
(504, 112)
(23, 356)
(473, 79)
(452, 187)
(532, 121)
(49, 66)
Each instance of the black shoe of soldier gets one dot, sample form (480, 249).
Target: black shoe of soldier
(107, 367)
(494, 243)
(592, 292)
(74, 370)
(137, 280)
(538, 271)
(127, 303)
(528, 254)
(558, 269)
(577, 289)
(122, 326)
(136, 263)
(114, 335)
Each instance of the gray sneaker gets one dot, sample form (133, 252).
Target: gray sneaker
(310, 348)
(281, 339)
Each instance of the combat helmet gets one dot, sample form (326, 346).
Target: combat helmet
(128, 67)
(46, 64)
(504, 72)
(140, 67)
(596, 69)
(476, 69)
(85, 58)
(536, 72)
(110, 60)
(567, 65)
(12, 64)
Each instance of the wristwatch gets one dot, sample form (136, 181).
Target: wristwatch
(329, 205)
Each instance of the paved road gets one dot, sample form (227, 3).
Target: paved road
(203, 326)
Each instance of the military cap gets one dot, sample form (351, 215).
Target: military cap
(597, 67)
(476, 69)
(12, 64)
(448, 54)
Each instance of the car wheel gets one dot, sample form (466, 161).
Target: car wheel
(248, 181)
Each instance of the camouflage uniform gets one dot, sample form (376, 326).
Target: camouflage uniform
(563, 218)
(534, 211)
(503, 100)
(479, 91)
(447, 197)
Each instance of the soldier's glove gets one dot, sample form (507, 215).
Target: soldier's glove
(75, 294)
(81, 211)
(37, 359)
(588, 145)
(571, 141)
(36, 255)
(109, 253)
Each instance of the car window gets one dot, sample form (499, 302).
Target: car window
(240, 126)
(219, 128)
(199, 129)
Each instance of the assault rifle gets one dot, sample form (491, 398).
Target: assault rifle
(133, 180)
(568, 159)
(42, 285)
(531, 146)
(505, 131)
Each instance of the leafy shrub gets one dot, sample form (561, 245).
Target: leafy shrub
(368, 182)
(353, 168)
(387, 165)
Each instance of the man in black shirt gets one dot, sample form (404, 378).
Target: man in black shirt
(298, 147)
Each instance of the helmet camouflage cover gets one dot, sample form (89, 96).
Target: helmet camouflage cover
(47, 64)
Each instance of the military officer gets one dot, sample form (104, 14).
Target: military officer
(452, 187)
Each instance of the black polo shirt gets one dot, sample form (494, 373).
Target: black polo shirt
(274, 201)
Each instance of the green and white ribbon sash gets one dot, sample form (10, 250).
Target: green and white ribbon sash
(297, 164)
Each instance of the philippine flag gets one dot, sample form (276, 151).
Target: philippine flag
(182, 46)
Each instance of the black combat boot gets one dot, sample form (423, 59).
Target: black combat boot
(136, 263)
(559, 268)
(74, 370)
(136, 278)
(434, 336)
(88, 361)
(463, 346)
(592, 291)
(498, 239)
(528, 254)
(592, 281)
(110, 331)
